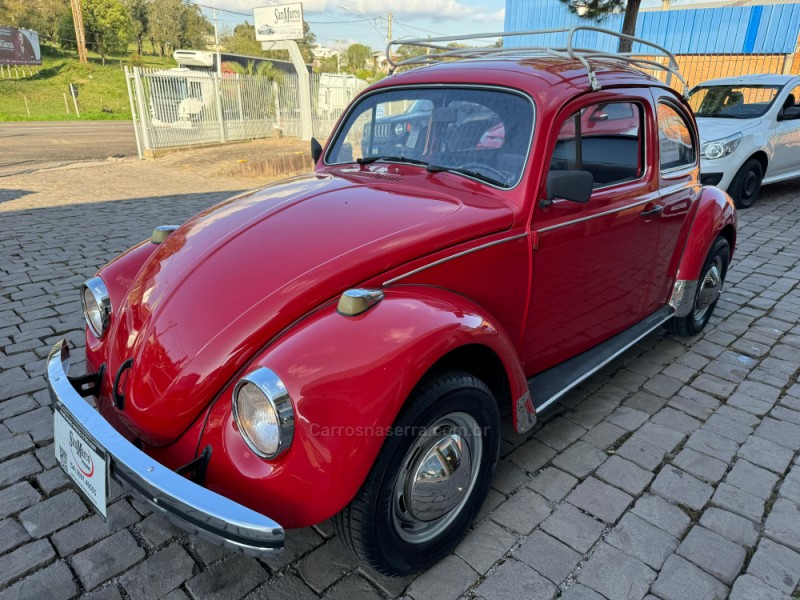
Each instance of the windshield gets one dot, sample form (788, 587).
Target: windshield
(733, 101)
(478, 133)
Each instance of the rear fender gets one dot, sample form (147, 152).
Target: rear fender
(348, 378)
(714, 216)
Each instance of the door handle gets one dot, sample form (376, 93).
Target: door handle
(652, 212)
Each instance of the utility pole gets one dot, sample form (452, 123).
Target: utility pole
(389, 33)
(216, 45)
(80, 34)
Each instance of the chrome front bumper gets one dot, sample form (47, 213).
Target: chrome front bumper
(190, 506)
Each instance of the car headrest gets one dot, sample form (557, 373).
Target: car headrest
(790, 101)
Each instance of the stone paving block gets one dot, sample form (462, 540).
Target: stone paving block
(737, 529)
(106, 559)
(532, 456)
(17, 469)
(485, 545)
(326, 565)
(662, 385)
(738, 501)
(645, 402)
(38, 423)
(559, 433)
(748, 587)
(665, 438)
(600, 499)
(767, 454)
(570, 526)
(299, 542)
(157, 530)
(749, 404)
(625, 475)
(522, 512)
(514, 579)
(638, 538)
(781, 413)
(23, 560)
(16, 498)
(553, 484)
(681, 580)
(159, 574)
(615, 574)
(603, 435)
(669, 417)
(52, 514)
(580, 459)
(701, 407)
(662, 514)
(781, 432)
(728, 428)
(52, 481)
(14, 446)
(12, 534)
(233, 578)
(713, 553)
(290, 587)
(580, 592)
(16, 406)
(753, 479)
(548, 556)
(704, 467)
(714, 386)
(776, 565)
(83, 533)
(54, 582)
(642, 453)
(446, 580)
(628, 418)
(493, 500)
(508, 477)
(349, 588)
(783, 524)
(713, 445)
(680, 487)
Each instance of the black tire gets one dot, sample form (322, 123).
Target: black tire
(369, 526)
(719, 257)
(746, 184)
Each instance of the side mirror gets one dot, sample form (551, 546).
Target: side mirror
(789, 114)
(598, 116)
(316, 150)
(576, 186)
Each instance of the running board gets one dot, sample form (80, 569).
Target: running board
(548, 386)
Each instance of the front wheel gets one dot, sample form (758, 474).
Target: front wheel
(709, 288)
(746, 184)
(430, 478)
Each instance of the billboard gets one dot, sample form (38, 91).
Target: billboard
(276, 23)
(19, 46)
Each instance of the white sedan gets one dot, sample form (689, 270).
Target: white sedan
(749, 132)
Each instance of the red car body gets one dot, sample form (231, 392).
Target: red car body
(492, 276)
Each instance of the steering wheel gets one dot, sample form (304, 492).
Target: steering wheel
(504, 176)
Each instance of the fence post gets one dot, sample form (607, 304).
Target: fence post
(133, 115)
(303, 80)
(137, 85)
(218, 97)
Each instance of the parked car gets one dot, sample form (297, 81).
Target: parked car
(343, 344)
(749, 131)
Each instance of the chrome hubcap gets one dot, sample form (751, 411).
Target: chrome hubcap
(710, 289)
(438, 474)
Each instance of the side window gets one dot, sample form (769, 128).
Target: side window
(791, 105)
(675, 141)
(604, 139)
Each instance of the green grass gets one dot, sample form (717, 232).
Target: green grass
(103, 93)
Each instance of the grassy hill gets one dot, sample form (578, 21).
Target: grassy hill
(103, 93)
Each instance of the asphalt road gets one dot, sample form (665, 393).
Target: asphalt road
(30, 146)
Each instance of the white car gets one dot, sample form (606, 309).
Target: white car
(749, 132)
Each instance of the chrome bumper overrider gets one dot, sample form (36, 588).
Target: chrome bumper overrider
(190, 506)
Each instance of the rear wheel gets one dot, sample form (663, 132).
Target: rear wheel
(709, 288)
(430, 478)
(746, 184)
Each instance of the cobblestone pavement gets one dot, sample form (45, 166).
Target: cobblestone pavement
(672, 474)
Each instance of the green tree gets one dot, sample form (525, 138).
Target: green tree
(243, 41)
(194, 28)
(165, 24)
(356, 56)
(108, 26)
(596, 10)
(139, 11)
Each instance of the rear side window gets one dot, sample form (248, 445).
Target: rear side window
(604, 139)
(675, 141)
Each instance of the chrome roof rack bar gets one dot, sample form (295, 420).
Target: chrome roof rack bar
(441, 52)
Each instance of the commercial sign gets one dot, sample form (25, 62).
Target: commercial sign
(19, 46)
(277, 23)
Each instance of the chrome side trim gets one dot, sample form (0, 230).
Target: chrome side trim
(190, 506)
(595, 216)
(584, 376)
(454, 256)
(682, 298)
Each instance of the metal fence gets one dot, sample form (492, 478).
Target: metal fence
(182, 107)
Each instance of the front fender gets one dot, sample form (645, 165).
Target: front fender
(348, 377)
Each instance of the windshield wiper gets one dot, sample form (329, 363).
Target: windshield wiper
(404, 159)
(468, 173)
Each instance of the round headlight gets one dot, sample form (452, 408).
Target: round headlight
(96, 306)
(399, 129)
(263, 412)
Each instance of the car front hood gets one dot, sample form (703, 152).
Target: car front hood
(230, 279)
(713, 128)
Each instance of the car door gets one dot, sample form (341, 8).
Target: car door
(592, 262)
(678, 175)
(785, 137)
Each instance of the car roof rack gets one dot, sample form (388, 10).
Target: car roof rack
(441, 52)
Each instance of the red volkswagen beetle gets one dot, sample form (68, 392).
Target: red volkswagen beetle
(342, 344)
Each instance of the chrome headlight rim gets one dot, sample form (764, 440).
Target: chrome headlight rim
(274, 391)
(723, 147)
(99, 292)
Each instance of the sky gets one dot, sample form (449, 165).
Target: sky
(365, 21)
